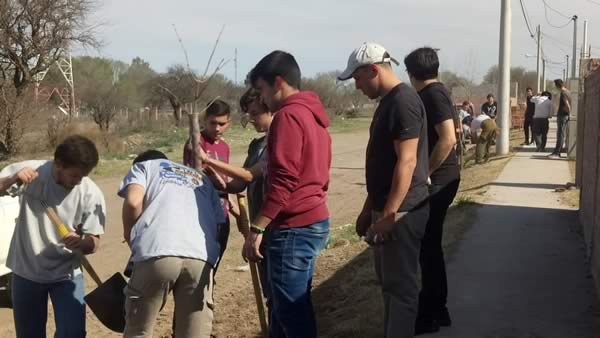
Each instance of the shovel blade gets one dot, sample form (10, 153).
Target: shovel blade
(107, 302)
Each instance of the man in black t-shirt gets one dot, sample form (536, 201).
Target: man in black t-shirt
(562, 117)
(396, 210)
(422, 66)
(528, 121)
(490, 108)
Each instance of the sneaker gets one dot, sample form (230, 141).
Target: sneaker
(426, 325)
(554, 156)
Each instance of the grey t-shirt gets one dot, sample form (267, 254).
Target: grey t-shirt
(36, 251)
(181, 212)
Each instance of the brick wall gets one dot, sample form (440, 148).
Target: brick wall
(590, 170)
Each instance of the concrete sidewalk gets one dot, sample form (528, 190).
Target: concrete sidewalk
(520, 271)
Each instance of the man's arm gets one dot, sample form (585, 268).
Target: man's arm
(24, 176)
(567, 102)
(406, 151)
(444, 145)
(245, 174)
(133, 206)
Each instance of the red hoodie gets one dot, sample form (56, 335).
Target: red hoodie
(299, 158)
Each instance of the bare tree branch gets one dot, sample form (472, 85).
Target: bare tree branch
(212, 53)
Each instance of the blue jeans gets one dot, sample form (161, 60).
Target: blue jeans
(30, 307)
(291, 255)
(562, 122)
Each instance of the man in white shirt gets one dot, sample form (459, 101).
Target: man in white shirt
(45, 260)
(544, 110)
(483, 132)
(171, 215)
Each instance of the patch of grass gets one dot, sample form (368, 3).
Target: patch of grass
(342, 236)
(347, 125)
(463, 201)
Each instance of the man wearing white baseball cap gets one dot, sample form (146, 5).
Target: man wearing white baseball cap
(396, 210)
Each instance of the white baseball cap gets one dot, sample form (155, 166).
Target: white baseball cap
(368, 54)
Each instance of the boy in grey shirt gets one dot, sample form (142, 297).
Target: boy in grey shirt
(44, 263)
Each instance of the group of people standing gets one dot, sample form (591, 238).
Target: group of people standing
(481, 128)
(537, 114)
(175, 216)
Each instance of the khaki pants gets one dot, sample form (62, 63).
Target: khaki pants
(485, 140)
(190, 280)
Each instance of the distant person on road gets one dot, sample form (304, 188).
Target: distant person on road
(562, 117)
(483, 132)
(544, 109)
(528, 120)
(294, 207)
(170, 219)
(395, 213)
(422, 66)
(490, 108)
(45, 264)
(217, 120)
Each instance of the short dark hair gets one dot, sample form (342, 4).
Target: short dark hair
(77, 152)
(250, 96)
(217, 108)
(490, 95)
(466, 103)
(547, 94)
(277, 63)
(148, 155)
(422, 63)
(559, 83)
(528, 88)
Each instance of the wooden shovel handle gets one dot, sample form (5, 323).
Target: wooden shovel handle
(63, 231)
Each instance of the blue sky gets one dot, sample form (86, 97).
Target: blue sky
(321, 34)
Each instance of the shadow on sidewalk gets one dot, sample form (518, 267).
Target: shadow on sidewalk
(515, 272)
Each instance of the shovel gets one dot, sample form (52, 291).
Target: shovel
(107, 301)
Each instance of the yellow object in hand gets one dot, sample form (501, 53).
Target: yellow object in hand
(62, 230)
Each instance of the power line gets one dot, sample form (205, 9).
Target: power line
(546, 7)
(594, 2)
(555, 11)
(526, 17)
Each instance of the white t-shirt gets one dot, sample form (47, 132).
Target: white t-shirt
(462, 114)
(543, 107)
(36, 251)
(181, 212)
(476, 124)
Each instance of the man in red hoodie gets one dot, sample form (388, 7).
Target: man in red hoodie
(295, 199)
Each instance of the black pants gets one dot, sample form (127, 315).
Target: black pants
(434, 285)
(540, 133)
(527, 127)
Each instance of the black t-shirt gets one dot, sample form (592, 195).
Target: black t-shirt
(439, 108)
(255, 189)
(399, 116)
(562, 105)
(490, 109)
(530, 111)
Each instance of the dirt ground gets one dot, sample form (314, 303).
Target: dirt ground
(346, 294)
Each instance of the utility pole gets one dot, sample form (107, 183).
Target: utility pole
(539, 56)
(544, 74)
(567, 75)
(585, 55)
(502, 144)
(235, 66)
(574, 60)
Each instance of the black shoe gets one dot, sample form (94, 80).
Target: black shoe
(443, 318)
(423, 326)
